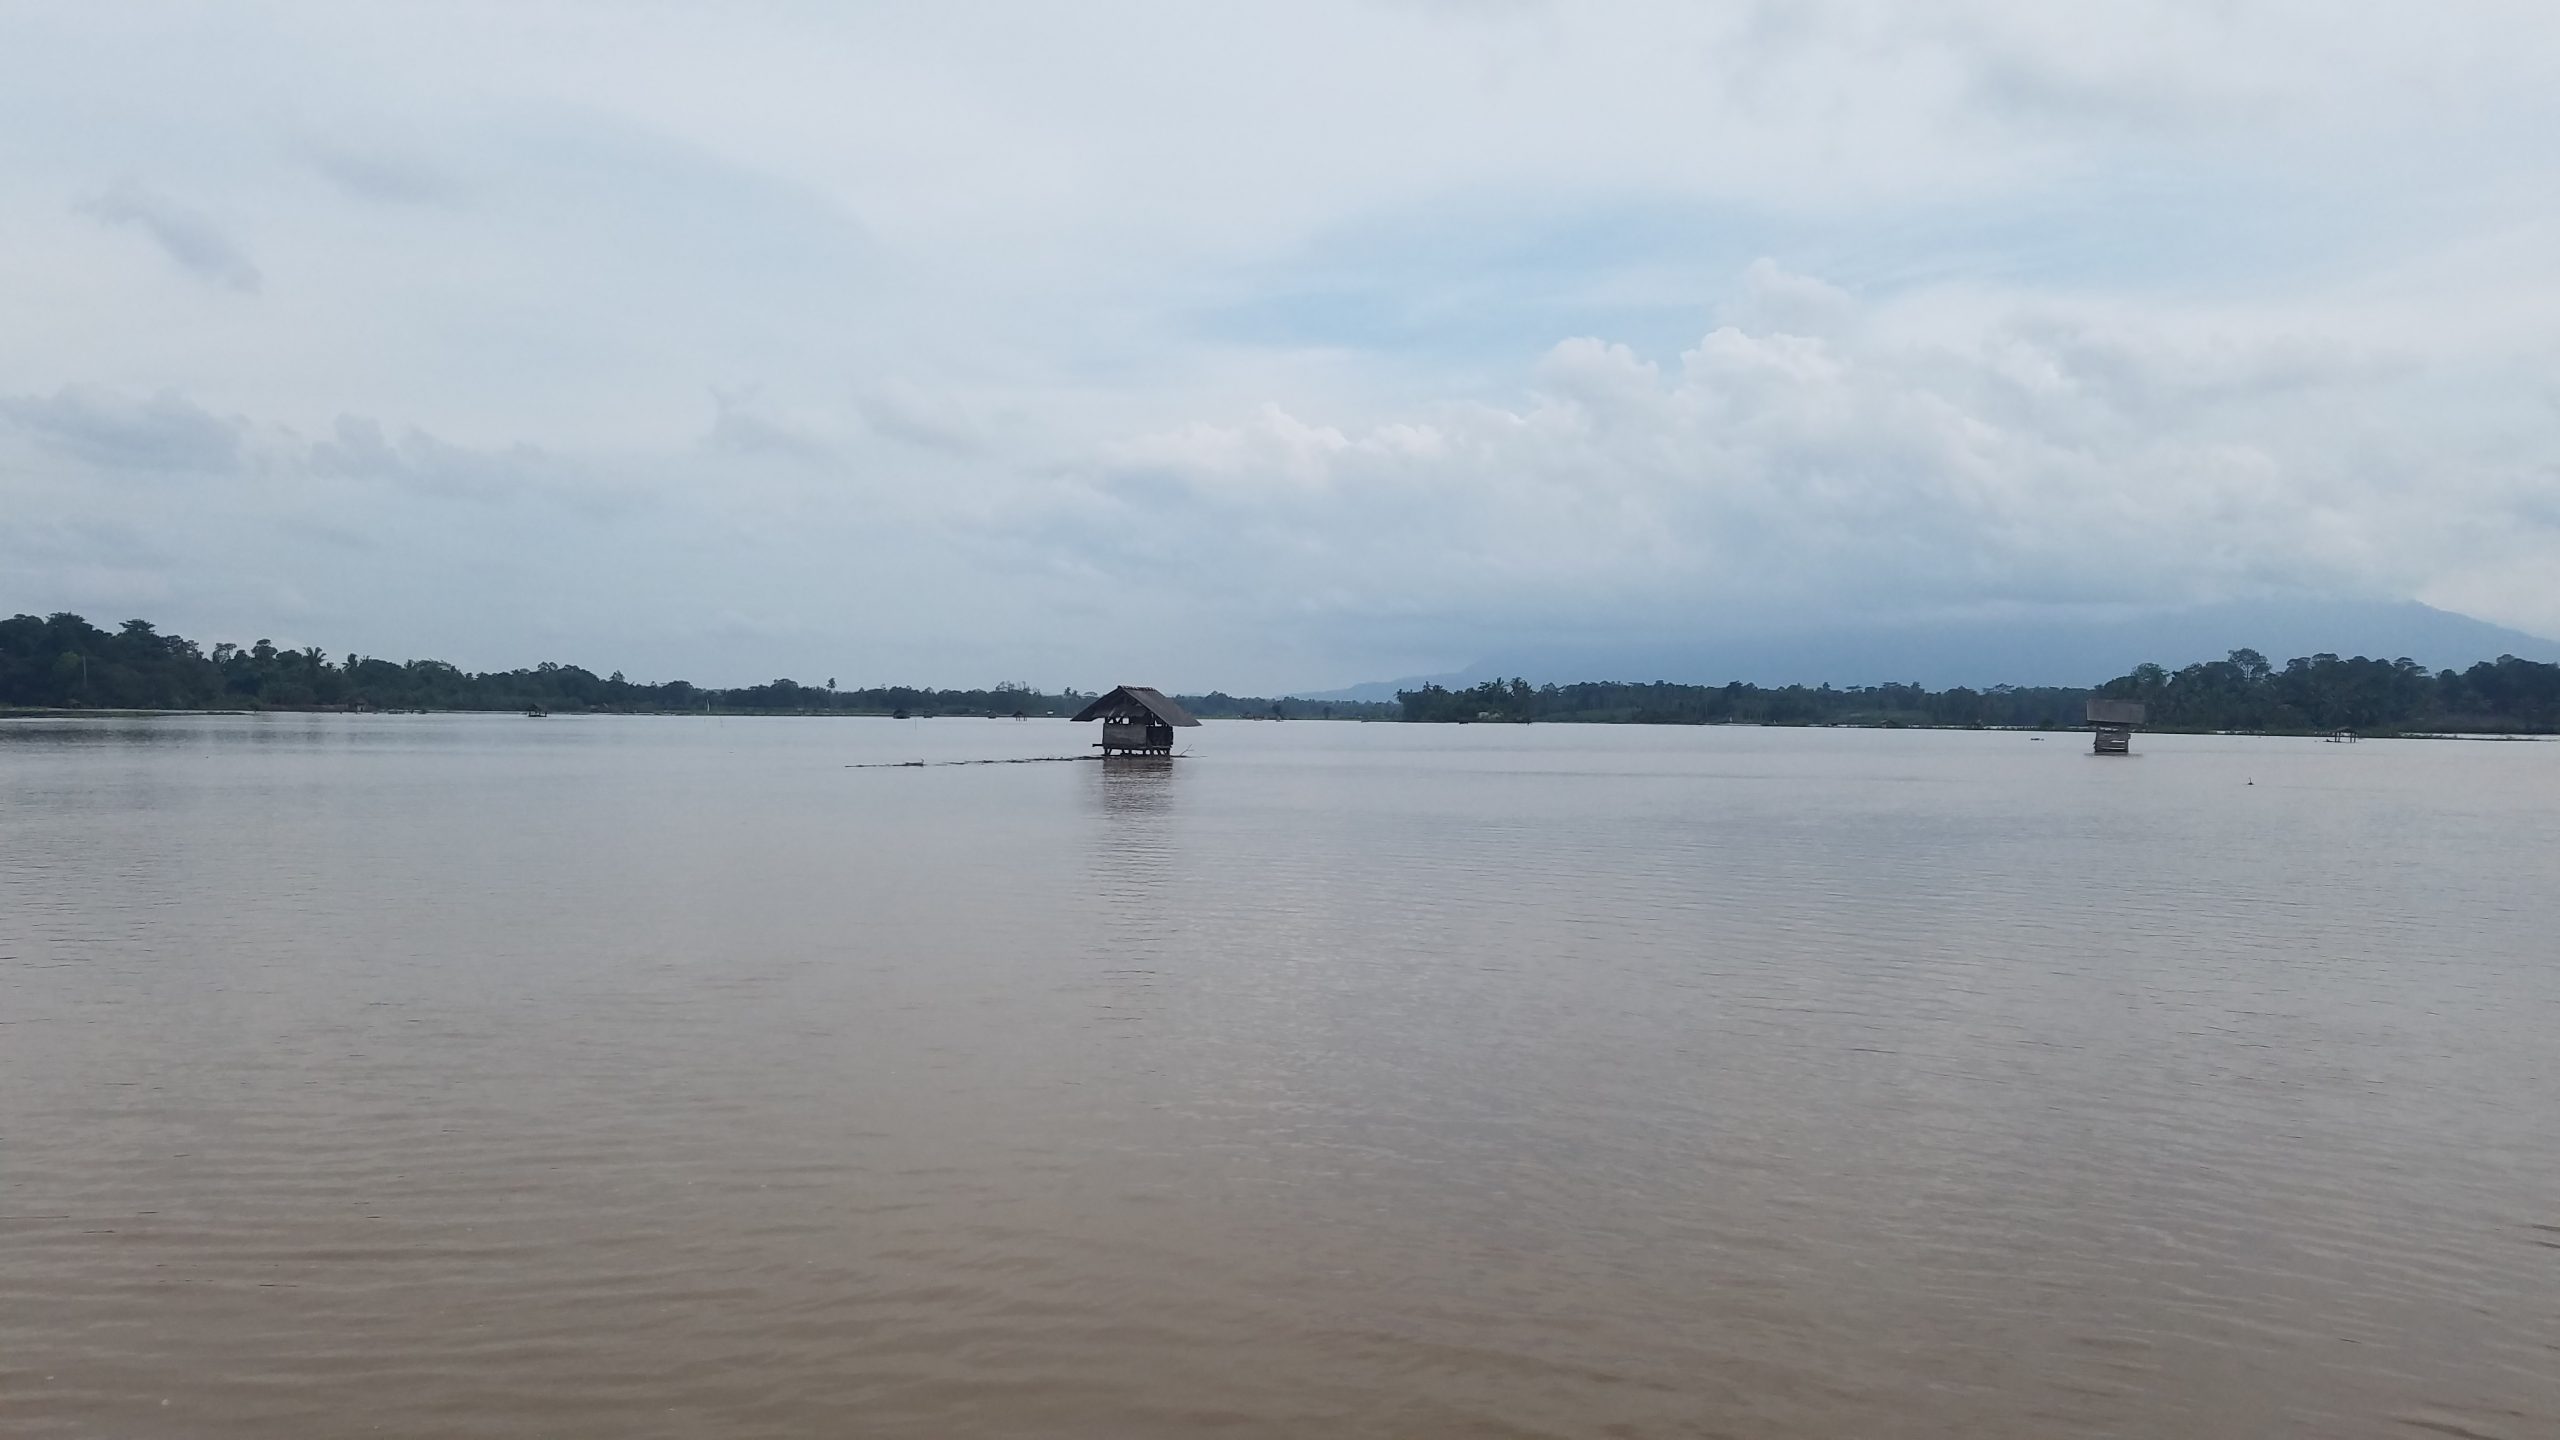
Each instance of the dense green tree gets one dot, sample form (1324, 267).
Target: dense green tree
(2242, 691)
(62, 661)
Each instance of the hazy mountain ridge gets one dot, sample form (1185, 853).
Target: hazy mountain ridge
(2034, 651)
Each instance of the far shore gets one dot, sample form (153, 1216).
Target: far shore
(34, 712)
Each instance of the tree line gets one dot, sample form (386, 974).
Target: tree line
(1664, 703)
(2243, 692)
(62, 661)
(2322, 692)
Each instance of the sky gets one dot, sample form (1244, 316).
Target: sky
(1262, 346)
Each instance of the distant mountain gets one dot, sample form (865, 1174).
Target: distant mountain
(1385, 690)
(2059, 650)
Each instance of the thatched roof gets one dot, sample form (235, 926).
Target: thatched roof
(1130, 701)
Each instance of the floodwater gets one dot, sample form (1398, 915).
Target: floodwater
(491, 1077)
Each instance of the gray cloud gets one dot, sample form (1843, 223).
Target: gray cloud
(738, 427)
(48, 544)
(900, 413)
(384, 176)
(189, 237)
(163, 432)
(421, 463)
(359, 448)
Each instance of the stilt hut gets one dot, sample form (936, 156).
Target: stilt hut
(2113, 722)
(1136, 720)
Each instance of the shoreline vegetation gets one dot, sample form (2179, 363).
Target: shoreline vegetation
(2243, 693)
(61, 664)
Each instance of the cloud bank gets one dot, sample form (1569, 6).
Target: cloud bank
(1820, 459)
(906, 345)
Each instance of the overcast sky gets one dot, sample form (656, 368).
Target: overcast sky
(1261, 346)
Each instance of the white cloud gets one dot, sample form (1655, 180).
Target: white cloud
(2038, 453)
(1777, 300)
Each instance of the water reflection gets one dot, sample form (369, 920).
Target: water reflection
(1137, 784)
(1132, 834)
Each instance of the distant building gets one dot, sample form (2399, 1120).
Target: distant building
(2113, 723)
(1136, 720)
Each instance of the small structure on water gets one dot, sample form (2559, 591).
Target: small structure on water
(1136, 720)
(2113, 723)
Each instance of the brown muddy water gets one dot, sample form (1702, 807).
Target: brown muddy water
(492, 1077)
